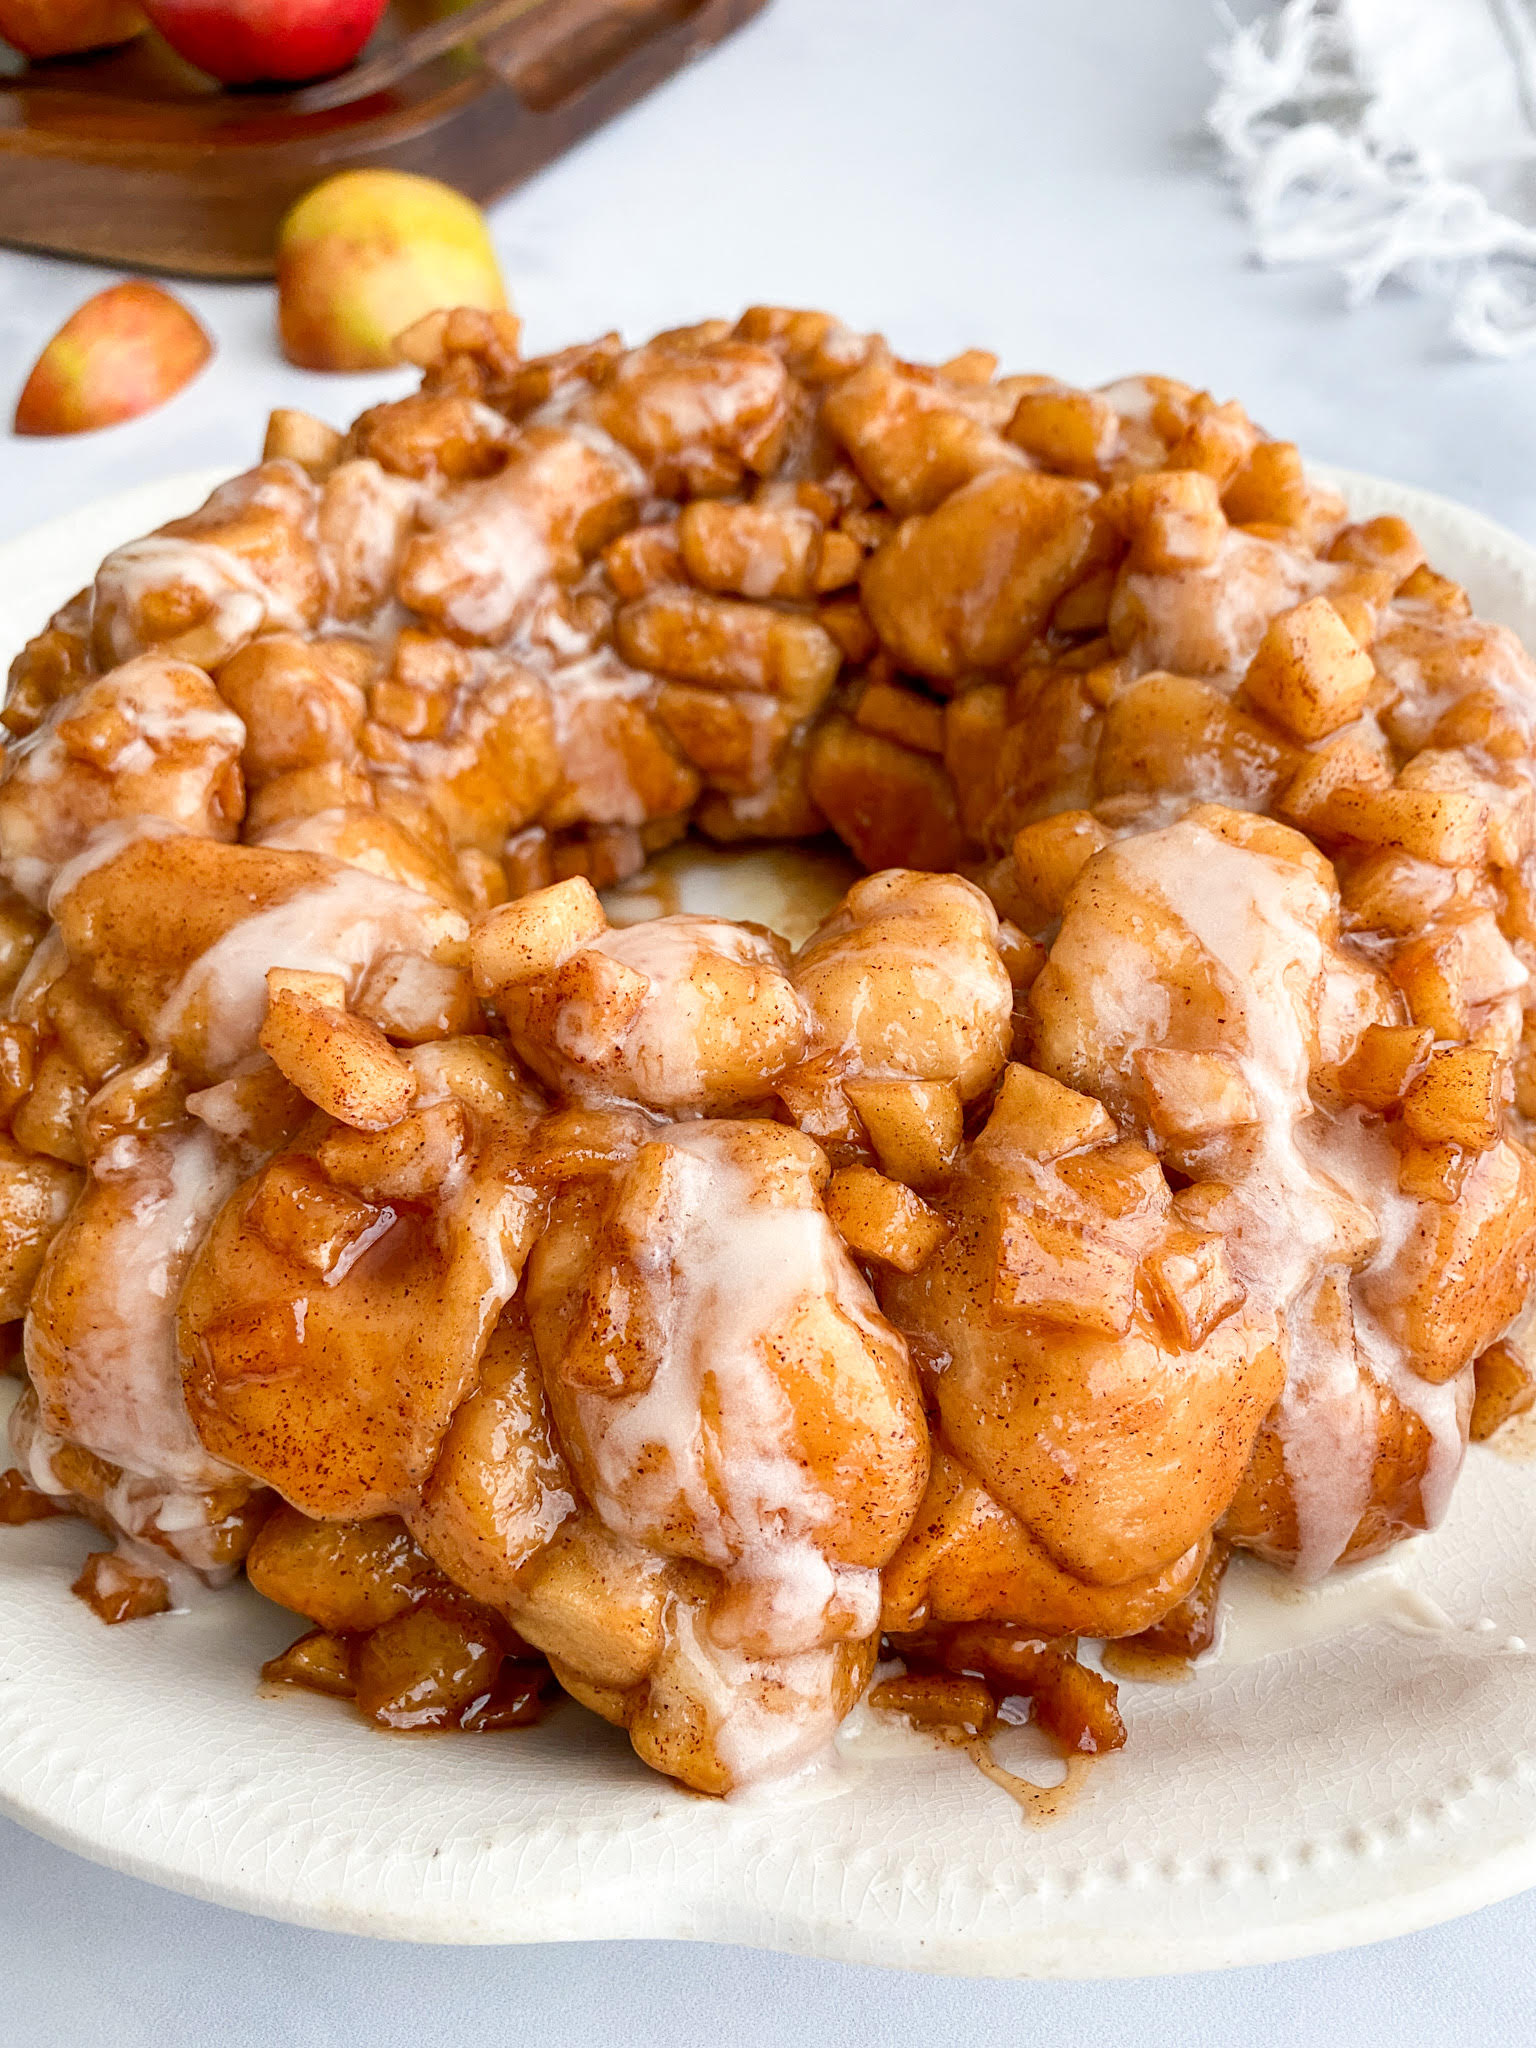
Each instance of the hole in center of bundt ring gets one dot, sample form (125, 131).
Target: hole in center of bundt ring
(790, 888)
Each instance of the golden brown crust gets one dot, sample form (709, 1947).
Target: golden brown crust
(1168, 1078)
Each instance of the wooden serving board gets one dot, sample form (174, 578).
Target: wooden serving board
(131, 157)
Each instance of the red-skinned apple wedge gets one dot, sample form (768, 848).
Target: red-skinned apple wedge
(122, 353)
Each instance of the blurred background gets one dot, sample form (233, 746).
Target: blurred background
(1021, 174)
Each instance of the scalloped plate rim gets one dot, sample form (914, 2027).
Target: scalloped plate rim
(50, 1792)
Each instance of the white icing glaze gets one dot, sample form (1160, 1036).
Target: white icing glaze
(239, 603)
(223, 1109)
(592, 436)
(663, 1048)
(339, 927)
(745, 1267)
(161, 743)
(105, 845)
(366, 516)
(151, 712)
(1496, 662)
(897, 984)
(1209, 621)
(757, 1742)
(582, 685)
(1293, 1175)
(493, 1210)
(1299, 1176)
(497, 560)
(1132, 397)
(121, 1381)
(1264, 1615)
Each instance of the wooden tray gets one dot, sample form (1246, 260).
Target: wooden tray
(132, 157)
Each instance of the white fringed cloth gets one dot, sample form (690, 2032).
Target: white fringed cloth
(1393, 139)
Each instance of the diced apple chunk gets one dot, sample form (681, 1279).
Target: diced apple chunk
(968, 585)
(914, 1126)
(1021, 955)
(1167, 733)
(1347, 764)
(903, 716)
(696, 636)
(1050, 854)
(414, 1001)
(327, 990)
(299, 437)
(1426, 586)
(1192, 1094)
(751, 551)
(1504, 1387)
(1065, 429)
(51, 1118)
(1387, 543)
(1123, 1179)
(1051, 1270)
(880, 1219)
(1310, 674)
(1218, 440)
(1193, 1285)
(117, 1589)
(1042, 1119)
(643, 559)
(302, 1216)
(1434, 972)
(535, 934)
(341, 1063)
(1446, 826)
(607, 995)
(427, 1667)
(1457, 1098)
(1085, 609)
(1175, 521)
(1270, 489)
(318, 1662)
(1388, 1057)
(963, 1705)
(1432, 1170)
(582, 1144)
(407, 1163)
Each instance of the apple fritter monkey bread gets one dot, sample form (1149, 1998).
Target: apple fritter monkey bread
(1130, 1168)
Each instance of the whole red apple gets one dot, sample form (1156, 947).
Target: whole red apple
(252, 42)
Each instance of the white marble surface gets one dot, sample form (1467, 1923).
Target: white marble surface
(1018, 173)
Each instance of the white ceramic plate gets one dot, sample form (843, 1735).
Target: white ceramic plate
(1356, 1765)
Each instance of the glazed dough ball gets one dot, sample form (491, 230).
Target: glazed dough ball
(688, 1016)
(904, 981)
(1096, 1364)
(153, 739)
(337, 1309)
(1198, 987)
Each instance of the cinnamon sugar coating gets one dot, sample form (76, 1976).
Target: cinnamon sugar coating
(1133, 1162)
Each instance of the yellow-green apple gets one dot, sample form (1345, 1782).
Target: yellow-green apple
(123, 352)
(251, 42)
(61, 28)
(366, 254)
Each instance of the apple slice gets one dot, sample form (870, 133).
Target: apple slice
(365, 255)
(62, 28)
(122, 353)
